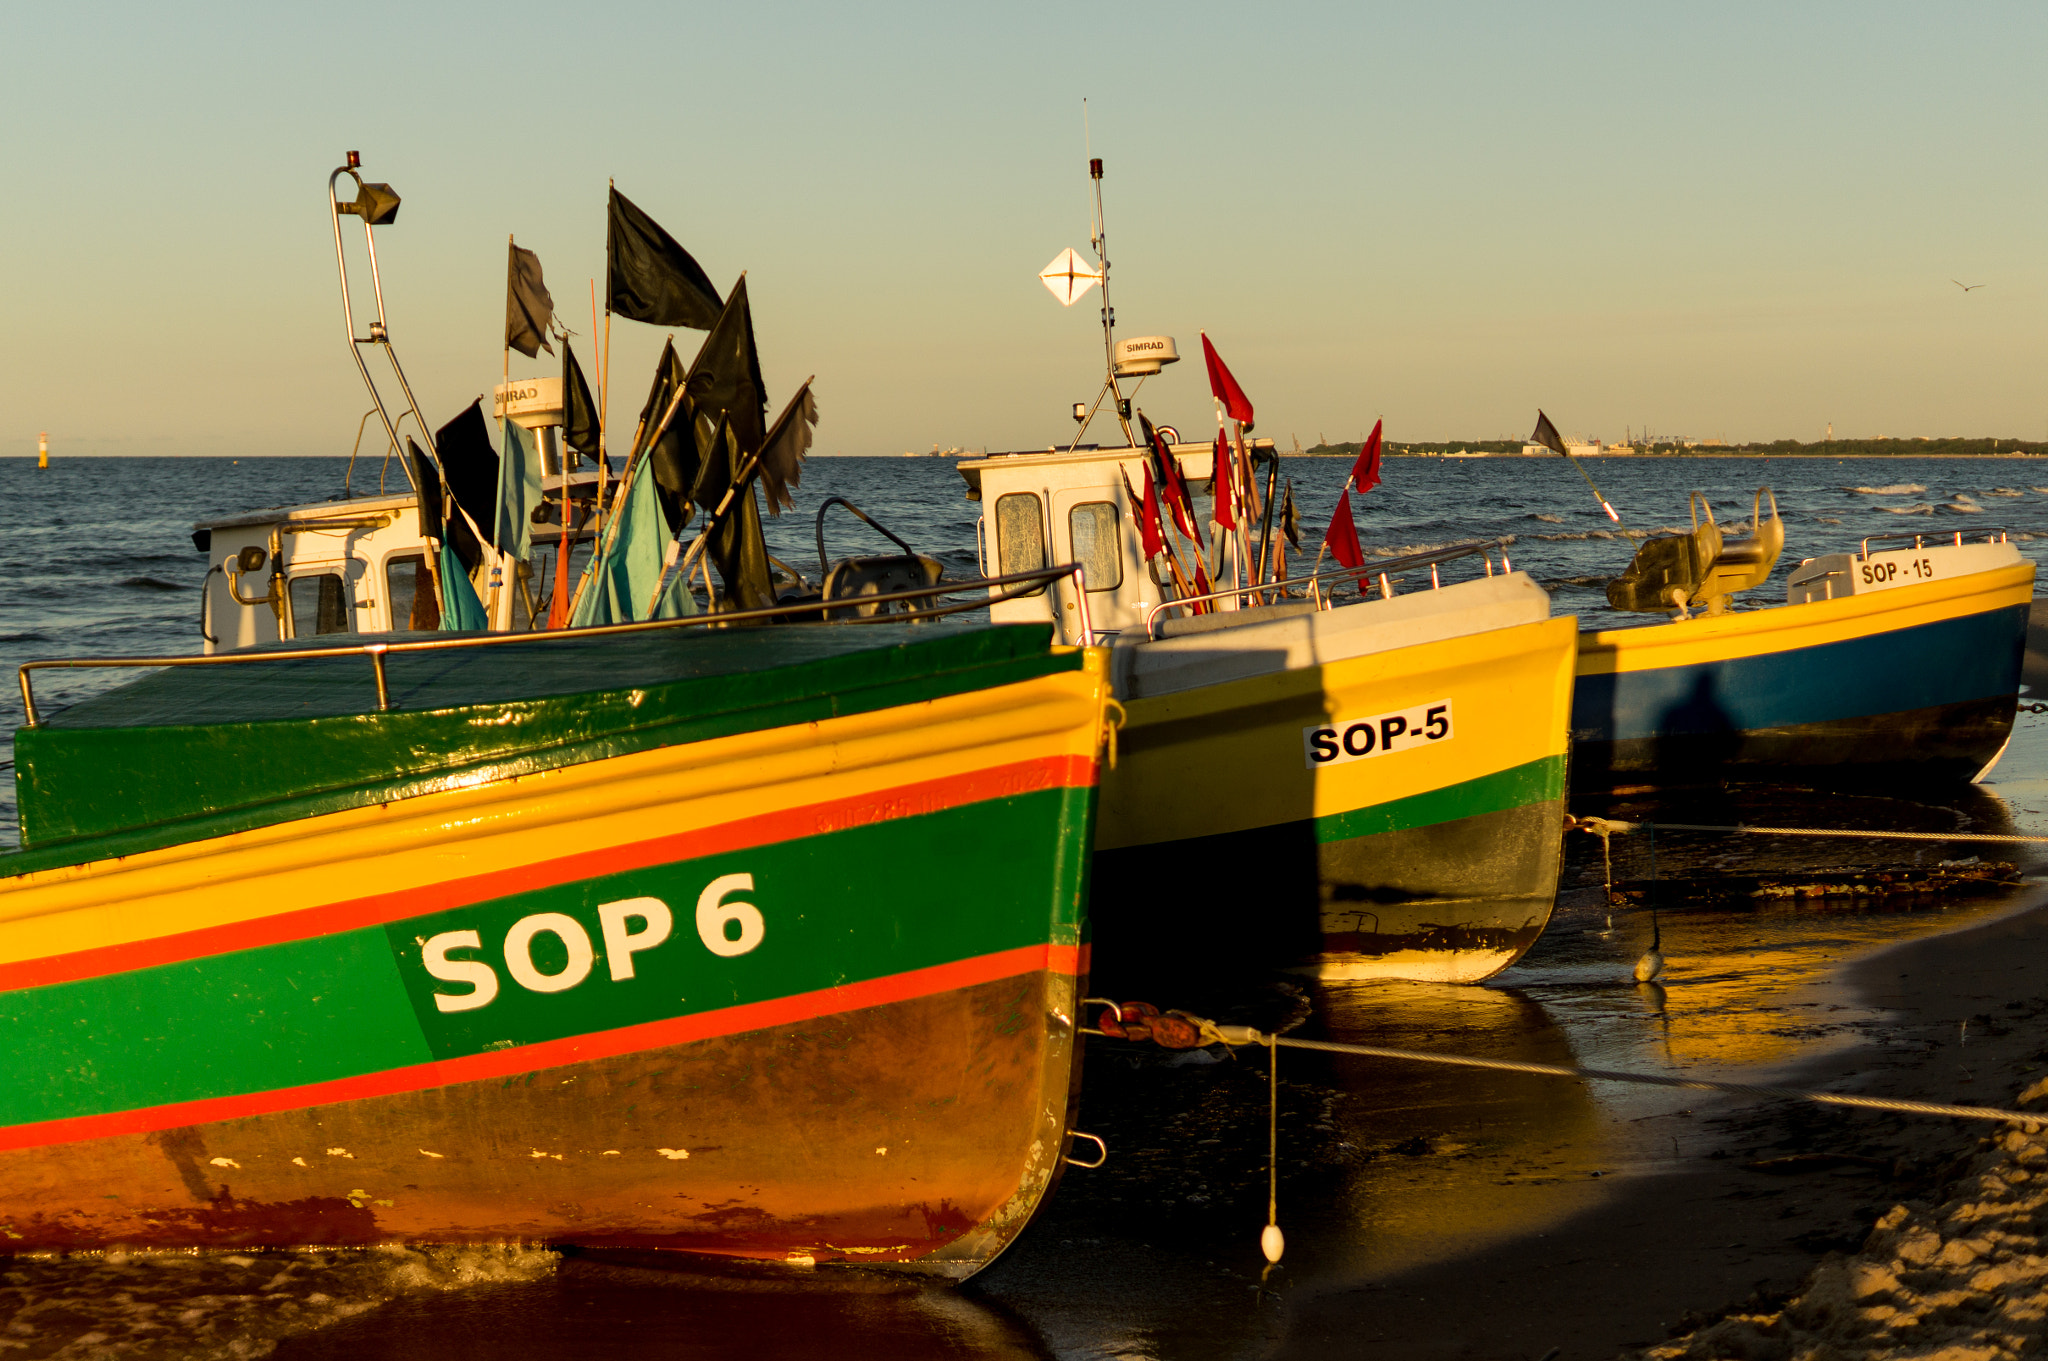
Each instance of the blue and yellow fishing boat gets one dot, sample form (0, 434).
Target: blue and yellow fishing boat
(1901, 658)
(642, 938)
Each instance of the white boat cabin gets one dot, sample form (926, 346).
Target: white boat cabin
(363, 565)
(1044, 507)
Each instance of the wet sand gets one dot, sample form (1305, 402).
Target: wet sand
(1675, 1245)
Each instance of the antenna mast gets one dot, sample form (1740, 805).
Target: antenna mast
(1099, 239)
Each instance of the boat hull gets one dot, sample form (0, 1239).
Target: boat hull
(1918, 682)
(722, 1019)
(1224, 843)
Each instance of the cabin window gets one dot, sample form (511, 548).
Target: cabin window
(409, 587)
(1020, 535)
(320, 604)
(1093, 530)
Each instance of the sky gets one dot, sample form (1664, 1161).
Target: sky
(1737, 221)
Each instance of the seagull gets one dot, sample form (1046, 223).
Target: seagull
(1652, 962)
(1965, 287)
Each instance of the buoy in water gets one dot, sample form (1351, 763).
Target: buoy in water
(1272, 1242)
(43, 449)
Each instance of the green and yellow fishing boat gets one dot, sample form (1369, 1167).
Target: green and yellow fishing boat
(760, 943)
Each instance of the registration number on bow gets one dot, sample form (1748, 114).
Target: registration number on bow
(1355, 739)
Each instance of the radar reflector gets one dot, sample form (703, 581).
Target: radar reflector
(1069, 276)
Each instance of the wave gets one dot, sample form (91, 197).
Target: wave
(152, 584)
(1549, 519)
(1961, 506)
(2005, 491)
(23, 638)
(1894, 489)
(1577, 581)
(1405, 549)
(1907, 510)
(1582, 534)
(1826, 520)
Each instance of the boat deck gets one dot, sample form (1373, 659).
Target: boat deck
(250, 743)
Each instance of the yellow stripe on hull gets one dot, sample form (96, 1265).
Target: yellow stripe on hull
(830, 766)
(1782, 628)
(1230, 757)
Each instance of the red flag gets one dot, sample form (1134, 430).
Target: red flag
(1202, 581)
(558, 606)
(1149, 533)
(1221, 486)
(1365, 474)
(1235, 404)
(1178, 498)
(1342, 536)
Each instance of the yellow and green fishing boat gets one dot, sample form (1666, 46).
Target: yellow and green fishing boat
(760, 943)
(1373, 789)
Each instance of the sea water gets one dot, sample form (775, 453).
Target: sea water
(1385, 1169)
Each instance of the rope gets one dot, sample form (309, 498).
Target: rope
(1603, 827)
(1246, 1035)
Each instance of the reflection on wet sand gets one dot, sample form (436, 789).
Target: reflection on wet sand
(601, 1312)
(1444, 1143)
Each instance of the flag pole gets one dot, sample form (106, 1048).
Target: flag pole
(1266, 529)
(1248, 501)
(503, 403)
(604, 365)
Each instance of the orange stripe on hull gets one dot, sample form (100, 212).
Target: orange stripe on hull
(940, 978)
(909, 800)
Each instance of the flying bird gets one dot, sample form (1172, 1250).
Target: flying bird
(1965, 287)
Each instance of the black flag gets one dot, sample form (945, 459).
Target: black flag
(428, 474)
(782, 455)
(579, 413)
(528, 308)
(464, 445)
(726, 375)
(648, 277)
(1547, 436)
(1290, 517)
(736, 545)
(673, 457)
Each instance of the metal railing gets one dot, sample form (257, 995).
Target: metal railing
(1919, 536)
(1385, 570)
(377, 652)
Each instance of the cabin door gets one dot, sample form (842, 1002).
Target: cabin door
(1093, 526)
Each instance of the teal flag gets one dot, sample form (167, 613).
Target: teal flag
(623, 586)
(461, 611)
(518, 491)
(675, 600)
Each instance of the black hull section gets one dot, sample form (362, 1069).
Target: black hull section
(1454, 901)
(1950, 742)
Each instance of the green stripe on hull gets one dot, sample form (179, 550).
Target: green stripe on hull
(159, 763)
(838, 908)
(1538, 781)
